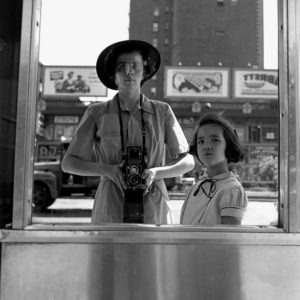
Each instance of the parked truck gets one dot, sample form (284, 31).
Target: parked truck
(50, 182)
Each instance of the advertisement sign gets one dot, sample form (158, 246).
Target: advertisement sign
(258, 152)
(66, 119)
(48, 152)
(196, 82)
(66, 82)
(254, 83)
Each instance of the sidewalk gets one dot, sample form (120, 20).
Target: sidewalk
(66, 210)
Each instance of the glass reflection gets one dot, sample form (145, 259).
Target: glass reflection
(243, 54)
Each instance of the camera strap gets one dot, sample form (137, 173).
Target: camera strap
(143, 129)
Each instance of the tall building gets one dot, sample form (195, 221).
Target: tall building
(206, 33)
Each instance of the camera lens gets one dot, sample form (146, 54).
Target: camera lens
(134, 179)
(134, 170)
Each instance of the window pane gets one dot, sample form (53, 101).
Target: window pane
(227, 64)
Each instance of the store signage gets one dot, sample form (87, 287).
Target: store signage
(247, 108)
(258, 152)
(254, 83)
(71, 82)
(196, 82)
(48, 152)
(270, 135)
(66, 119)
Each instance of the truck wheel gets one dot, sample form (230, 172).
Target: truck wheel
(41, 197)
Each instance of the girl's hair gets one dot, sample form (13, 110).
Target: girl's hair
(234, 151)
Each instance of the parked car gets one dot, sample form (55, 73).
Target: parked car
(50, 182)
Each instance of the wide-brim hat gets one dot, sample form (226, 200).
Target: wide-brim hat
(106, 62)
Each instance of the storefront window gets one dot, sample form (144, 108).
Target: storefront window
(238, 80)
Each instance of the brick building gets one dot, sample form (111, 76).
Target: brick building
(206, 33)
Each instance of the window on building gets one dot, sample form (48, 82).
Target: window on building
(269, 134)
(166, 25)
(155, 42)
(220, 3)
(155, 27)
(241, 133)
(166, 41)
(156, 12)
(234, 2)
(167, 9)
(153, 91)
(254, 133)
(220, 33)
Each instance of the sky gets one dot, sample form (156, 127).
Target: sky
(73, 32)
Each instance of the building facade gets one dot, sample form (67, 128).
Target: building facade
(202, 33)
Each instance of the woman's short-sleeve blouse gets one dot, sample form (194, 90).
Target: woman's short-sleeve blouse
(98, 135)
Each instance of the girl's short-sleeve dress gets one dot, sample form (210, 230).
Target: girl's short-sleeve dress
(211, 198)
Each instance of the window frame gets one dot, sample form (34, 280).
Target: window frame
(289, 117)
(289, 163)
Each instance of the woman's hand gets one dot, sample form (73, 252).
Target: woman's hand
(148, 176)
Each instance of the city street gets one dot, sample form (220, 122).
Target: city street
(78, 210)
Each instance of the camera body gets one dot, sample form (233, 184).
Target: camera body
(134, 167)
(134, 200)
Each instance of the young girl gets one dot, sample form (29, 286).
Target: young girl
(218, 197)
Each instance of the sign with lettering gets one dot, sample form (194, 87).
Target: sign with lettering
(49, 152)
(196, 82)
(71, 82)
(66, 119)
(258, 152)
(254, 83)
(247, 108)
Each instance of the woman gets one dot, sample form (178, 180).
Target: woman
(128, 135)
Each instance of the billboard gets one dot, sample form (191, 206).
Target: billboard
(69, 82)
(196, 82)
(255, 83)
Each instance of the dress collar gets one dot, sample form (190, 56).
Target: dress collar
(145, 102)
(212, 180)
(218, 177)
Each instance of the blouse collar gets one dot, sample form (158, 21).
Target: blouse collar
(146, 103)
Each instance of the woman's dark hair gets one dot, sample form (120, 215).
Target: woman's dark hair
(234, 151)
